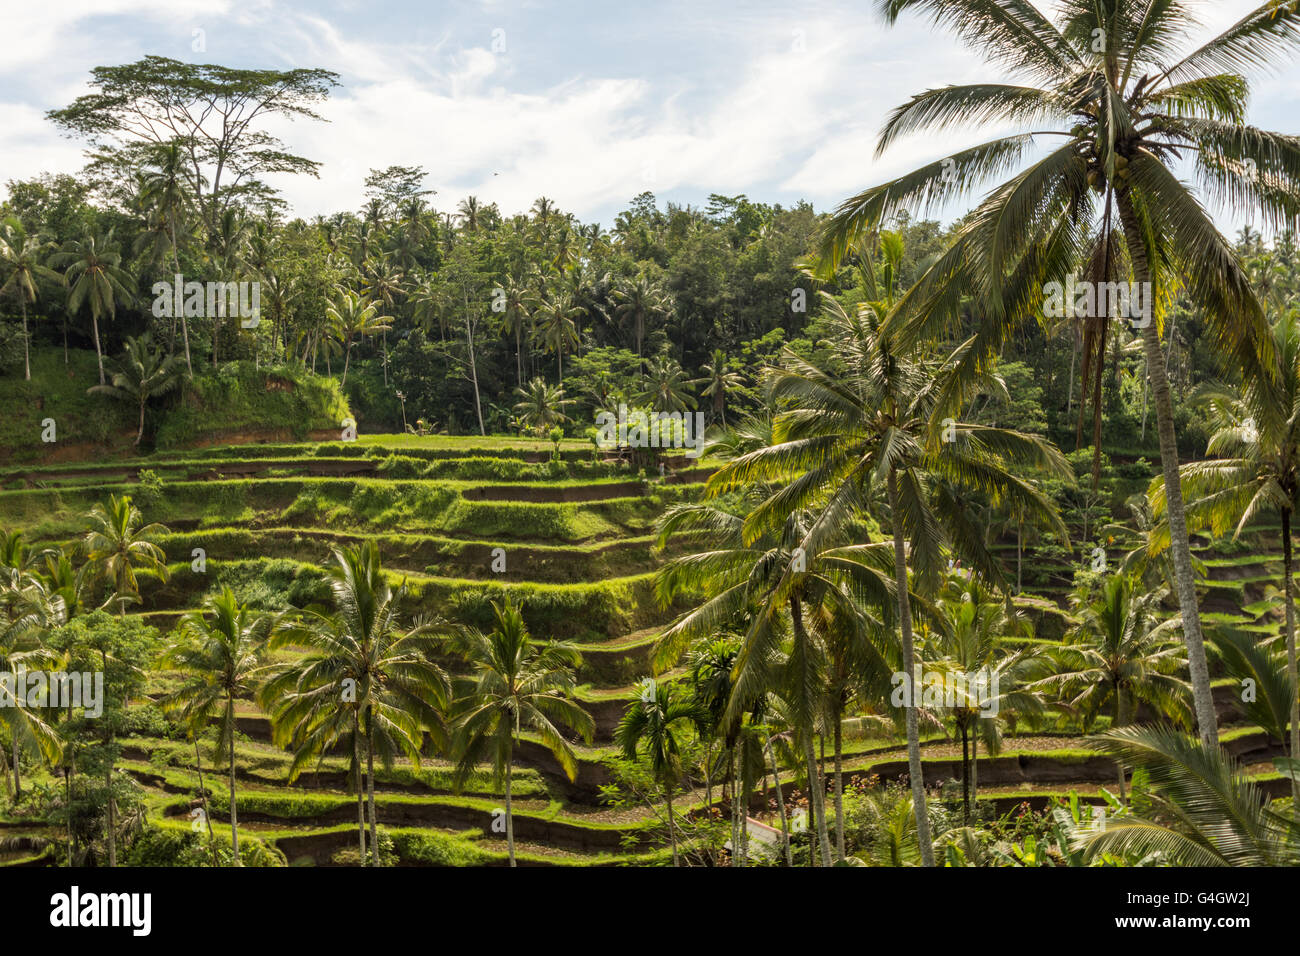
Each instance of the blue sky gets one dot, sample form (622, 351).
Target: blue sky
(588, 103)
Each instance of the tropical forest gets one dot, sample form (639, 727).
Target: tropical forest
(945, 523)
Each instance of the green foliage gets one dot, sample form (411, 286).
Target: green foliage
(240, 398)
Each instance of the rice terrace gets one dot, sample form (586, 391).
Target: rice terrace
(750, 503)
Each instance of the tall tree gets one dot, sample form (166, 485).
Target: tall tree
(219, 650)
(514, 683)
(94, 273)
(656, 722)
(1122, 106)
(142, 373)
(865, 425)
(218, 116)
(21, 266)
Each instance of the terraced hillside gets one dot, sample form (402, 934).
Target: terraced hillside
(461, 522)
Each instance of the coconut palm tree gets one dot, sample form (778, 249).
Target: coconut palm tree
(312, 700)
(93, 270)
(766, 588)
(542, 406)
(557, 327)
(1201, 808)
(1121, 654)
(354, 317)
(1120, 105)
(117, 547)
(515, 683)
(219, 649)
(1262, 666)
(1254, 469)
(657, 722)
(141, 374)
(27, 611)
(869, 427)
(718, 380)
(972, 624)
(516, 304)
(639, 302)
(664, 386)
(21, 265)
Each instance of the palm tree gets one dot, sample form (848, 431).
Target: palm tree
(870, 426)
(1120, 655)
(543, 406)
(142, 373)
(354, 317)
(557, 327)
(93, 271)
(1255, 469)
(718, 380)
(27, 611)
(1263, 664)
(516, 299)
(972, 624)
(639, 302)
(664, 386)
(310, 716)
(401, 690)
(657, 721)
(20, 268)
(166, 193)
(514, 683)
(219, 656)
(753, 585)
(1201, 809)
(1123, 107)
(117, 547)
(384, 285)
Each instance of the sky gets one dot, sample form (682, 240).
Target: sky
(587, 103)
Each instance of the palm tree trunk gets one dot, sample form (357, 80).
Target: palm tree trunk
(817, 794)
(18, 786)
(1293, 674)
(974, 768)
(67, 801)
(27, 345)
(203, 795)
(370, 786)
(361, 790)
(112, 821)
(99, 353)
(965, 774)
(816, 787)
(839, 790)
(909, 672)
(510, 819)
(519, 349)
(185, 326)
(234, 809)
(780, 799)
(1180, 544)
(139, 434)
(1119, 722)
(347, 358)
(473, 372)
(672, 830)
